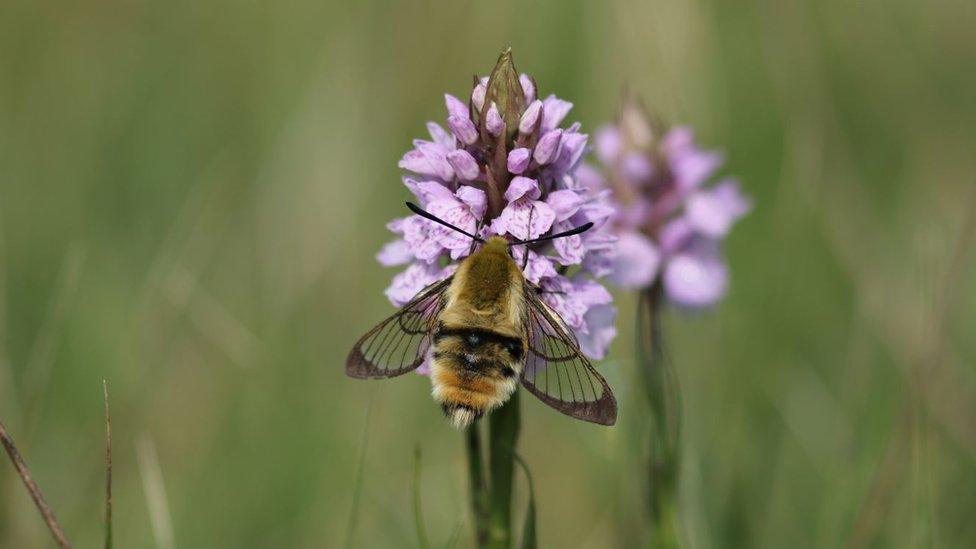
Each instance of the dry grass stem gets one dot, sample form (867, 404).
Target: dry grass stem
(35, 492)
(108, 468)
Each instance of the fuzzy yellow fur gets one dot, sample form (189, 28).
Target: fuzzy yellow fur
(487, 293)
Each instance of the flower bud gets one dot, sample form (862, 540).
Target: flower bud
(456, 107)
(528, 87)
(518, 160)
(465, 166)
(530, 117)
(463, 128)
(505, 91)
(637, 167)
(554, 110)
(545, 149)
(608, 144)
(636, 124)
(493, 122)
(571, 148)
(478, 96)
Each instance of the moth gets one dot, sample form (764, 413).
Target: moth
(485, 330)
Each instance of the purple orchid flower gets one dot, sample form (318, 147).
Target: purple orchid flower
(507, 166)
(669, 222)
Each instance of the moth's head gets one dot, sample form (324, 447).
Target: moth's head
(497, 244)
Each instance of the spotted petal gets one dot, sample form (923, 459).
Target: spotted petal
(524, 219)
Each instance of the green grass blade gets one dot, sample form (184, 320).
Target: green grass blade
(418, 510)
(529, 536)
(455, 536)
(358, 485)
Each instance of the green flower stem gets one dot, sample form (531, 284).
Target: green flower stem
(479, 488)
(503, 435)
(491, 504)
(418, 509)
(661, 388)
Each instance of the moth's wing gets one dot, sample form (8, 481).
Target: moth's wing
(400, 343)
(556, 370)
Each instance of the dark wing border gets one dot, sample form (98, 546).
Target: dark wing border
(553, 345)
(406, 332)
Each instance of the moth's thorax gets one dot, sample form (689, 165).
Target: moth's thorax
(487, 291)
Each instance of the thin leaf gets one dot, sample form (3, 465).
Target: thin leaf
(455, 536)
(529, 536)
(418, 510)
(358, 484)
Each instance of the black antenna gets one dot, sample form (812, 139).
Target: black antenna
(581, 229)
(424, 213)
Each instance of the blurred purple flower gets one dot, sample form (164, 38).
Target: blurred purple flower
(601, 319)
(506, 165)
(670, 224)
(417, 276)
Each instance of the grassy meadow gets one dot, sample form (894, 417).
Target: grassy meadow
(192, 194)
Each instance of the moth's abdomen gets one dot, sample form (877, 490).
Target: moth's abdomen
(474, 371)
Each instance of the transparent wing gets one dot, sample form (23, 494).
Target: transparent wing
(399, 344)
(557, 372)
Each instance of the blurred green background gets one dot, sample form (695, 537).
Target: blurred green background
(191, 195)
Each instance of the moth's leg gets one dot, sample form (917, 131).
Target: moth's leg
(540, 291)
(528, 236)
(561, 270)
